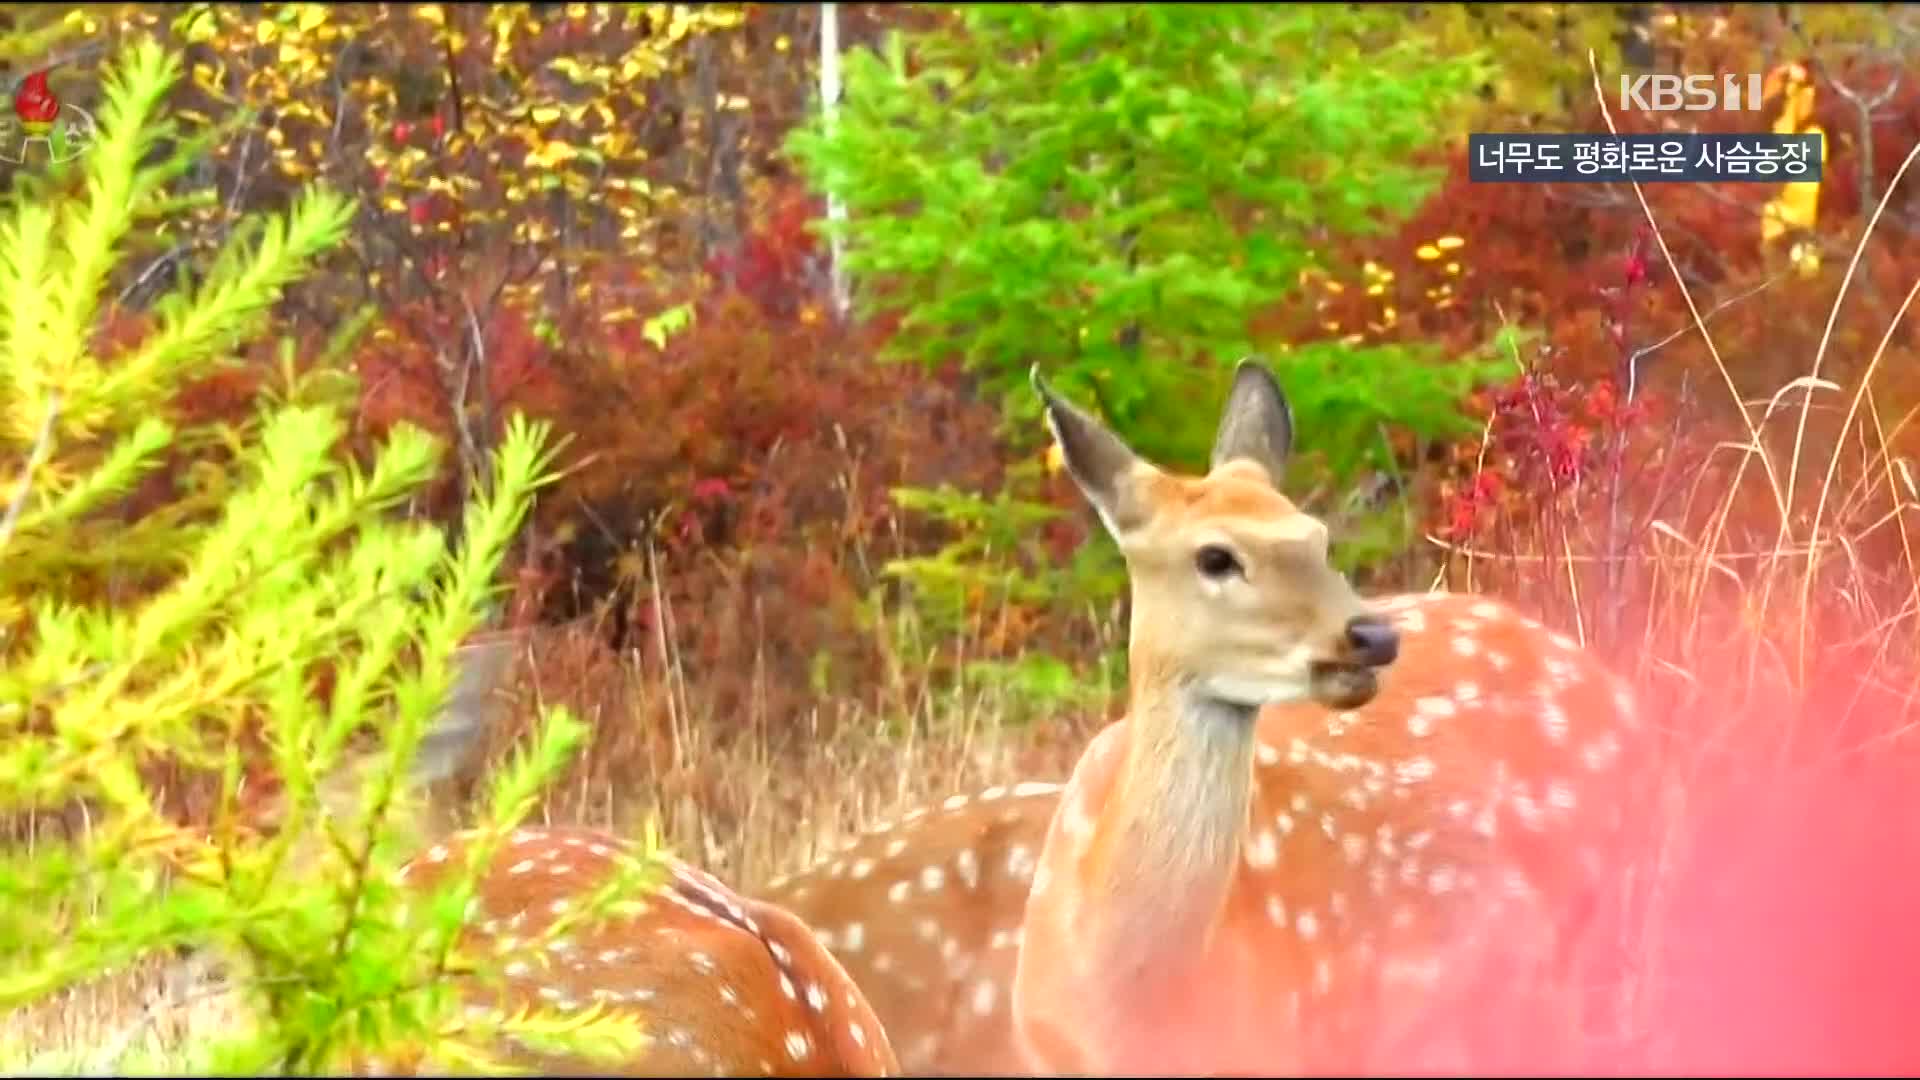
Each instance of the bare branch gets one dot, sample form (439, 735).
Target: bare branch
(42, 446)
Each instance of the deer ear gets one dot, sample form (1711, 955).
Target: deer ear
(1104, 467)
(1257, 423)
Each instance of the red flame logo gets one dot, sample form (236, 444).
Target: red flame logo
(35, 104)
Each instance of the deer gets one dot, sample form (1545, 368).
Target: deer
(721, 984)
(1374, 827)
(924, 913)
(1329, 835)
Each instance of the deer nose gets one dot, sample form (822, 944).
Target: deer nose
(1375, 642)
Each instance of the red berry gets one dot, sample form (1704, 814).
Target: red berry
(439, 124)
(401, 129)
(1636, 268)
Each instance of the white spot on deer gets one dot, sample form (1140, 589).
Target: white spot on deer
(1623, 701)
(1299, 802)
(1263, 850)
(1464, 645)
(1322, 976)
(852, 937)
(899, 891)
(1284, 822)
(1485, 823)
(1020, 862)
(1442, 879)
(954, 802)
(1402, 917)
(1355, 847)
(1276, 910)
(798, 1045)
(1515, 883)
(519, 969)
(1307, 925)
(928, 929)
(1466, 693)
(521, 867)
(1498, 660)
(1554, 722)
(1562, 641)
(1601, 752)
(984, 993)
(1035, 787)
(816, 997)
(701, 962)
(993, 794)
(967, 865)
(728, 994)
(1560, 796)
(895, 846)
(1483, 609)
(1266, 755)
(932, 879)
(1529, 811)
(786, 987)
(1414, 770)
(883, 962)
(1327, 826)
(1411, 620)
(1298, 751)
(858, 1034)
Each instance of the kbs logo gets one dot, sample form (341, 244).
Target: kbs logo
(1690, 93)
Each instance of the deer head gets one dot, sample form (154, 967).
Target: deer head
(1233, 596)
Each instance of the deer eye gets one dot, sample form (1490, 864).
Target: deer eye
(1216, 562)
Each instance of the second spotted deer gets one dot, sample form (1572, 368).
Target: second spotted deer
(924, 913)
(719, 984)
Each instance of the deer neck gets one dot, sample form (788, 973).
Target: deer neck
(1174, 824)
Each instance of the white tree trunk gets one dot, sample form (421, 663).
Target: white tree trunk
(830, 102)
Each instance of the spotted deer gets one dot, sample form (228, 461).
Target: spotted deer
(720, 984)
(1328, 835)
(925, 914)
